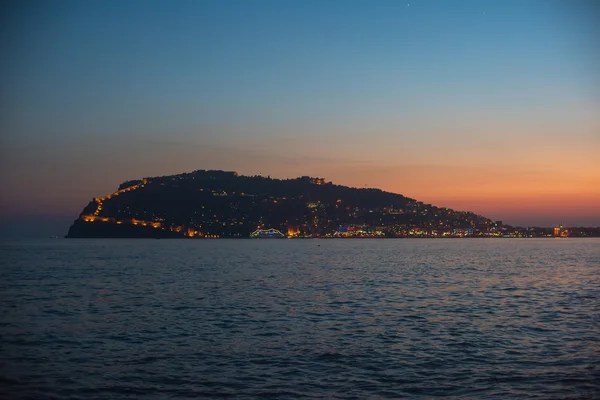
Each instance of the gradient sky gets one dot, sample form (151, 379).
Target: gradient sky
(487, 106)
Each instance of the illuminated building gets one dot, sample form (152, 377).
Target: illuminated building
(558, 231)
(293, 230)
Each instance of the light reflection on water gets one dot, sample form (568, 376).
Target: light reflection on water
(470, 318)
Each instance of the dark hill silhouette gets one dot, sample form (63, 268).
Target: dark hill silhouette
(224, 204)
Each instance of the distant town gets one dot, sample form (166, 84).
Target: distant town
(221, 204)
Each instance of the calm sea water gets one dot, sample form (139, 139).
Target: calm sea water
(154, 319)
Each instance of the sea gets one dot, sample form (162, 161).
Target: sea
(337, 318)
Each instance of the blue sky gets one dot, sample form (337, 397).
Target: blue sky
(98, 92)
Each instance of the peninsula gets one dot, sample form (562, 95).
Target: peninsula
(222, 204)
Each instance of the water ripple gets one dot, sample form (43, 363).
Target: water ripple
(461, 319)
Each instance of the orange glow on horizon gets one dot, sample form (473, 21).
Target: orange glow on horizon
(504, 191)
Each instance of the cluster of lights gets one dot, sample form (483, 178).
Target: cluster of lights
(118, 192)
(133, 221)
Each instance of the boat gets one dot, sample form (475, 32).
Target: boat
(267, 234)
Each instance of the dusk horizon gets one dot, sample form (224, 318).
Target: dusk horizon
(44, 225)
(523, 216)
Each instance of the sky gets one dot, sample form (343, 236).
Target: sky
(486, 106)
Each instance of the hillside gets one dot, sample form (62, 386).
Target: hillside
(211, 204)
